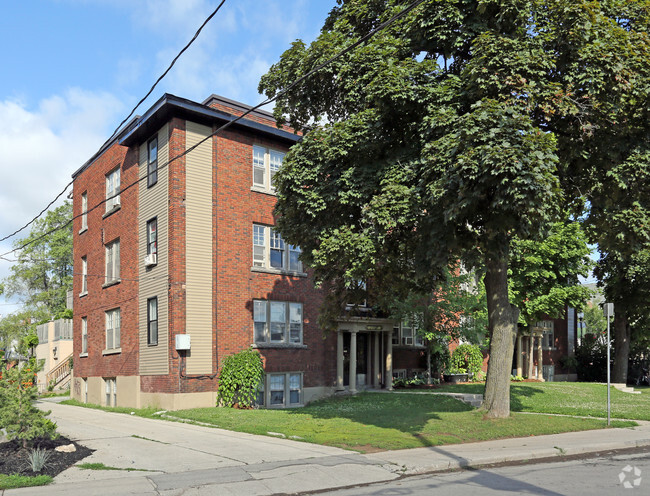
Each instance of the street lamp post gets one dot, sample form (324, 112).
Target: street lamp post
(608, 310)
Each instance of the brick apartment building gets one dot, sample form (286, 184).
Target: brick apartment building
(180, 267)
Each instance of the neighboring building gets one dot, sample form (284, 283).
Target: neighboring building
(550, 341)
(54, 352)
(181, 267)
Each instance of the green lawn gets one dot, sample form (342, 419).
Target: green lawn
(380, 421)
(377, 421)
(569, 398)
(16, 481)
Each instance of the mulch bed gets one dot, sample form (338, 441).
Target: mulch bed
(14, 458)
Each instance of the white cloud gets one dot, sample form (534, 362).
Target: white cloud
(40, 149)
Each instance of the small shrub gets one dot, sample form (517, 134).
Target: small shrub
(18, 415)
(468, 358)
(516, 378)
(37, 459)
(240, 378)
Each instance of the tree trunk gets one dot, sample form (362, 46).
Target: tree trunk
(622, 345)
(531, 350)
(502, 321)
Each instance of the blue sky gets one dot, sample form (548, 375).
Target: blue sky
(73, 69)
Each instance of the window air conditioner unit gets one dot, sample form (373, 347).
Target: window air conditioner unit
(116, 201)
(150, 260)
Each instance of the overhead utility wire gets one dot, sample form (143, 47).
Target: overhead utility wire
(126, 118)
(382, 26)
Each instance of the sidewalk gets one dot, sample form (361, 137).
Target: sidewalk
(189, 459)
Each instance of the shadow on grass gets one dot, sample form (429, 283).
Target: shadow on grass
(403, 412)
(518, 391)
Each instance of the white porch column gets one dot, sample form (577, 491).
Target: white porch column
(520, 358)
(339, 361)
(389, 361)
(540, 360)
(377, 377)
(353, 362)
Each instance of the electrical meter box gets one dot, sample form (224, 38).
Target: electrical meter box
(182, 342)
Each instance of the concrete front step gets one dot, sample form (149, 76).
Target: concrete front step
(625, 389)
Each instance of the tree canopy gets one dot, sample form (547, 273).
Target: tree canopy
(42, 274)
(450, 132)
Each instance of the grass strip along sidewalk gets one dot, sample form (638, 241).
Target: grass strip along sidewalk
(379, 421)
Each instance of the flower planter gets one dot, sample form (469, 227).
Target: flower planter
(456, 378)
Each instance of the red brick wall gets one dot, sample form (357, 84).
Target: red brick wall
(120, 224)
(236, 209)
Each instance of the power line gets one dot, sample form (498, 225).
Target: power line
(126, 118)
(361, 40)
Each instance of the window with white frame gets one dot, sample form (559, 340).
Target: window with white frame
(113, 318)
(84, 275)
(84, 211)
(111, 391)
(405, 334)
(152, 236)
(113, 261)
(266, 163)
(112, 189)
(84, 335)
(271, 252)
(548, 335)
(281, 390)
(277, 322)
(152, 321)
(152, 162)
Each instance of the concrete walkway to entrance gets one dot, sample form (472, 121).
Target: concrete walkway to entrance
(189, 459)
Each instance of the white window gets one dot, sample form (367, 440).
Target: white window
(152, 321)
(84, 211)
(281, 390)
(152, 163)
(152, 236)
(84, 275)
(84, 335)
(113, 261)
(111, 391)
(406, 334)
(266, 163)
(548, 335)
(277, 322)
(271, 252)
(112, 189)
(113, 318)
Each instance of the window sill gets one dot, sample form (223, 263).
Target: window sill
(114, 209)
(111, 283)
(259, 189)
(83, 355)
(114, 351)
(85, 293)
(283, 272)
(83, 230)
(286, 346)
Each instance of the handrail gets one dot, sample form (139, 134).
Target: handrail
(60, 372)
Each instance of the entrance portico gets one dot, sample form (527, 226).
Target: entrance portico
(364, 354)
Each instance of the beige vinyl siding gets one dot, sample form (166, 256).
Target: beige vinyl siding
(198, 249)
(154, 360)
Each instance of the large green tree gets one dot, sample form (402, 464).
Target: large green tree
(42, 274)
(446, 135)
(545, 274)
